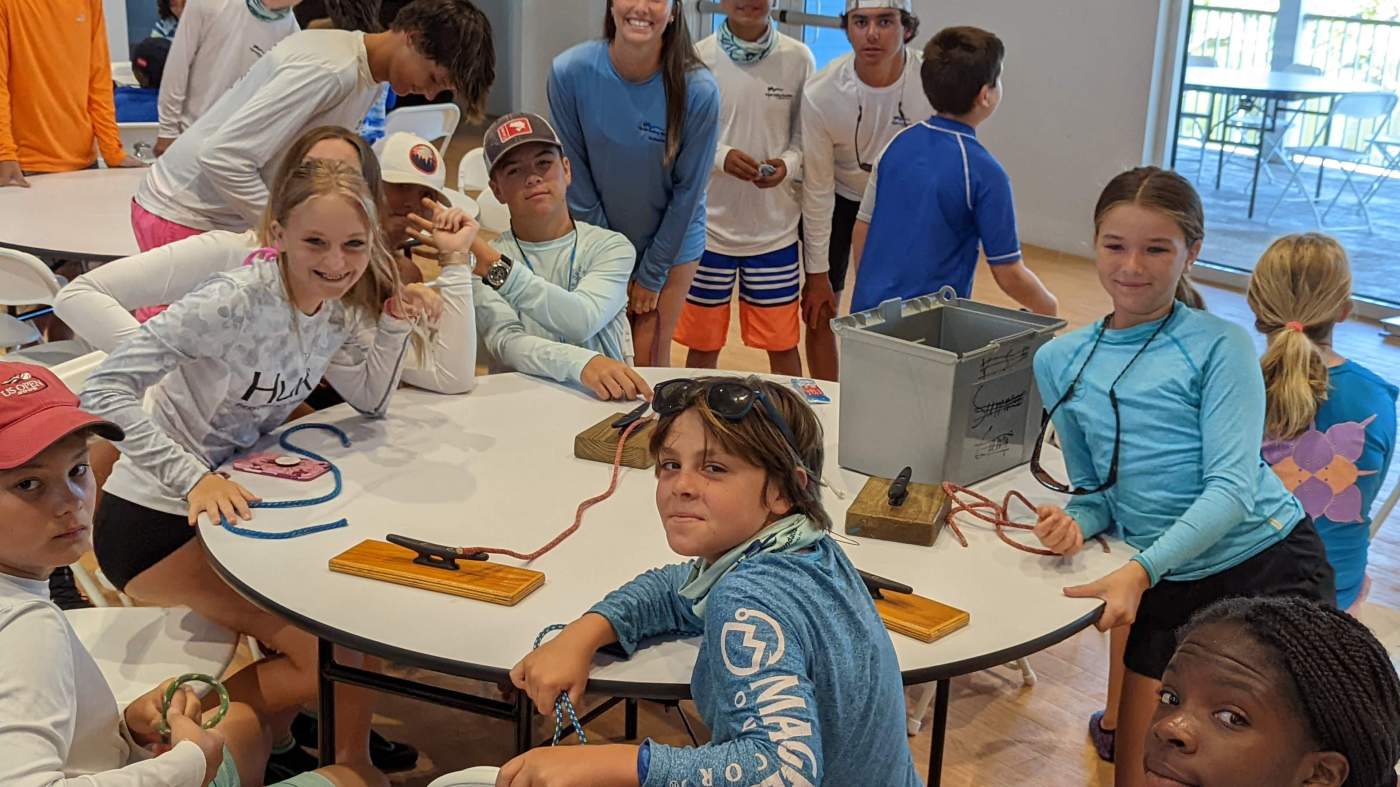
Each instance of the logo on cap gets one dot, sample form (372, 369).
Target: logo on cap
(514, 128)
(21, 384)
(424, 158)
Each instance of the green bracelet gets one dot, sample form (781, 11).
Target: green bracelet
(163, 727)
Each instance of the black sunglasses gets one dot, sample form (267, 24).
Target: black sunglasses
(1037, 470)
(731, 400)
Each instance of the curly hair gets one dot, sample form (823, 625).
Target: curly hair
(1341, 675)
(457, 36)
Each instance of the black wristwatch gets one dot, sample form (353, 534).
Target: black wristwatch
(497, 273)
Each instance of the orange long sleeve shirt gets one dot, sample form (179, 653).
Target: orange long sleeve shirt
(55, 85)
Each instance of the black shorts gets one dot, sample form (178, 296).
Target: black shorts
(128, 538)
(843, 223)
(1295, 566)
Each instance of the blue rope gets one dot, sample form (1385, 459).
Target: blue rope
(562, 706)
(331, 495)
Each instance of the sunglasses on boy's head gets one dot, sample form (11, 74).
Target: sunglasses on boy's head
(731, 400)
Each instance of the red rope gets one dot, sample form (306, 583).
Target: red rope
(999, 516)
(578, 515)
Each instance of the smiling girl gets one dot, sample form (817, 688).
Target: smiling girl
(226, 365)
(1160, 411)
(796, 677)
(638, 114)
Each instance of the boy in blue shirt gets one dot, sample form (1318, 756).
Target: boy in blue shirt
(918, 230)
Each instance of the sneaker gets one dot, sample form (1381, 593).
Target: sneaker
(386, 755)
(1102, 738)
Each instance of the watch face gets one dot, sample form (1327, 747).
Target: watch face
(497, 273)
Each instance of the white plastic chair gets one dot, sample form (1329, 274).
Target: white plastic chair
(480, 776)
(26, 281)
(471, 172)
(494, 216)
(139, 139)
(431, 122)
(123, 75)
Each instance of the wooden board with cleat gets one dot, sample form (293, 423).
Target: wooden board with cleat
(476, 579)
(916, 519)
(598, 443)
(921, 618)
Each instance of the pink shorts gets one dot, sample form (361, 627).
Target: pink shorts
(152, 232)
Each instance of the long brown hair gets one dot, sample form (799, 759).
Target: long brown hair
(1168, 193)
(758, 441)
(678, 59)
(1298, 291)
(302, 145)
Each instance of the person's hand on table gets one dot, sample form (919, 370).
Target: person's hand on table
(818, 299)
(613, 765)
(779, 174)
(613, 380)
(12, 175)
(161, 144)
(641, 300)
(1121, 592)
(741, 165)
(219, 497)
(562, 664)
(129, 162)
(1058, 531)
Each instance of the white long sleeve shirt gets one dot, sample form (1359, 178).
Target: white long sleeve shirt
(59, 723)
(833, 148)
(225, 365)
(759, 112)
(559, 308)
(215, 175)
(216, 43)
(98, 304)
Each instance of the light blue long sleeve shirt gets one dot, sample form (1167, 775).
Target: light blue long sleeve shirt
(563, 304)
(1193, 493)
(614, 133)
(796, 676)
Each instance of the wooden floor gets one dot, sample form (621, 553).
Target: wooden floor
(1000, 732)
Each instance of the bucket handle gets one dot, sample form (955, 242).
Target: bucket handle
(947, 294)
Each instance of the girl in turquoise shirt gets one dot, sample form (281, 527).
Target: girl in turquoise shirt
(1160, 411)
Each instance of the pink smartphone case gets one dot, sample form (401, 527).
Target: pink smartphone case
(266, 464)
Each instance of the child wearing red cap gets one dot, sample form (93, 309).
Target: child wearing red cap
(59, 722)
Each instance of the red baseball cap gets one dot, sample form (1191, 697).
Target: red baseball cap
(36, 411)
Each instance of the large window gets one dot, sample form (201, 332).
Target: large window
(1289, 121)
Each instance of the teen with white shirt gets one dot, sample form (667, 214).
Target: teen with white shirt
(59, 722)
(850, 110)
(751, 228)
(215, 175)
(227, 364)
(216, 43)
(551, 298)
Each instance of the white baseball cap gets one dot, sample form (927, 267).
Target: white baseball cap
(407, 158)
(860, 5)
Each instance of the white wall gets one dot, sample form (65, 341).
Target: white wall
(547, 28)
(114, 17)
(1079, 103)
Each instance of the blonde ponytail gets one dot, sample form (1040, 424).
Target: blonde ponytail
(1299, 289)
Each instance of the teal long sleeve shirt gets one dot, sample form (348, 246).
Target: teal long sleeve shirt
(1193, 493)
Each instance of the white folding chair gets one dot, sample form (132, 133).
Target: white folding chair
(914, 718)
(480, 776)
(471, 172)
(494, 215)
(123, 75)
(26, 281)
(139, 139)
(431, 122)
(1374, 108)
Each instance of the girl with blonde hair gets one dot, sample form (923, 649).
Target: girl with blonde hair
(1329, 425)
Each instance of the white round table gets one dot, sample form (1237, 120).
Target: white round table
(496, 467)
(82, 215)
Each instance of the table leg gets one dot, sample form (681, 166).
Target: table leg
(1254, 182)
(630, 720)
(940, 731)
(325, 686)
(524, 716)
